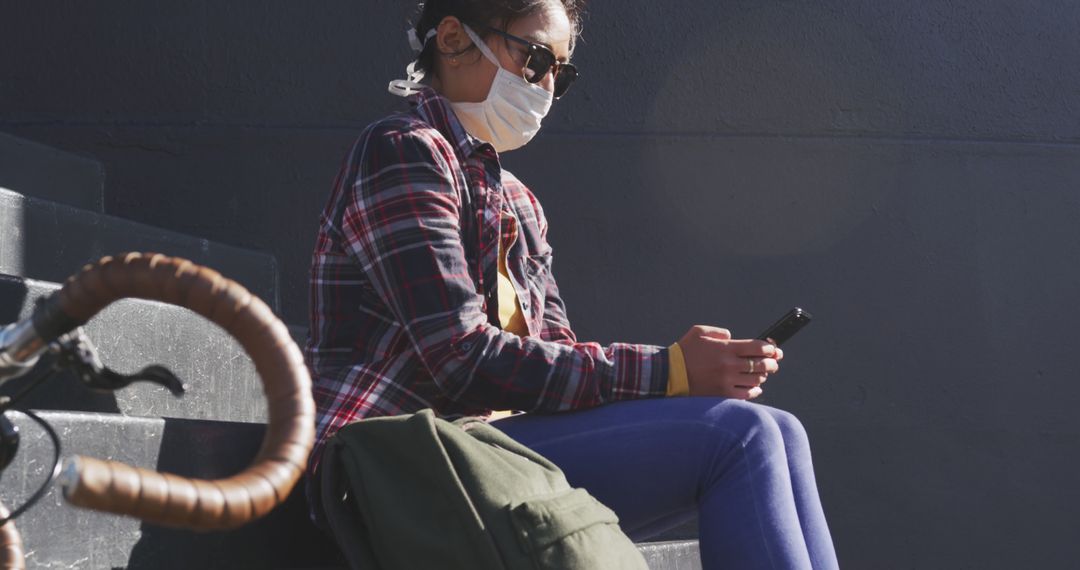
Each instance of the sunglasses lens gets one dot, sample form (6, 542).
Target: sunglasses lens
(566, 76)
(540, 62)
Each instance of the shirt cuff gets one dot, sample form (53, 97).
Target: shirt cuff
(678, 383)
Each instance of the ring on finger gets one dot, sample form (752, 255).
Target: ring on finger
(750, 361)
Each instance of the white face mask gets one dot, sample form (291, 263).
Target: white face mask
(510, 116)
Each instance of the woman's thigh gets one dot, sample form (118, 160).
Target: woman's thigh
(649, 460)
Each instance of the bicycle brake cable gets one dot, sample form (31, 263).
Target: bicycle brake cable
(53, 475)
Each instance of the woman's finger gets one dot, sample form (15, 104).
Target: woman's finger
(751, 382)
(752, 366)
(766, 365)
(744, 393)
(713, 332)
(732, 364)
(753, 347)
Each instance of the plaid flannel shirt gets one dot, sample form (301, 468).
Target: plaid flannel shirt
(404, 284)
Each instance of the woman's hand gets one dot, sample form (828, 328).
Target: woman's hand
(717, 365)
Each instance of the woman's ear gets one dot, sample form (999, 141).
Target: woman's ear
(451, 38)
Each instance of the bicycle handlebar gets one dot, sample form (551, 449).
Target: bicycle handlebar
(171, 500)
(12, 555)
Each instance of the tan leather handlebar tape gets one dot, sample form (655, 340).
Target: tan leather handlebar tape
(170, 500)
(12, 555)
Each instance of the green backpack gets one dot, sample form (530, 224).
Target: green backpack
(416, 492)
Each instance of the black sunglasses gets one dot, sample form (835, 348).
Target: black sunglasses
(540, 60)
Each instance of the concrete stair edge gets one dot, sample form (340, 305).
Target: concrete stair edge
(49, 173)
(62, 238)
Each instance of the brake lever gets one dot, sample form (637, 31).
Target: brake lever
(75, 352)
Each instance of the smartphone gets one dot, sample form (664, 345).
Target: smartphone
(786, 327)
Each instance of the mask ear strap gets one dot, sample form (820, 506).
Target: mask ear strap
(411, 84)
(414, 40)
(483, 47)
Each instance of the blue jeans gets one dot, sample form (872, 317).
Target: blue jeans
(743, 468)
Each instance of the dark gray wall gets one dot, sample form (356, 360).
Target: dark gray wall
(908, 171)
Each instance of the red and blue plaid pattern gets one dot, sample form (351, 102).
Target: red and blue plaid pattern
(404, 281)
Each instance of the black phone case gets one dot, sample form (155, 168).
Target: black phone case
(787, 326)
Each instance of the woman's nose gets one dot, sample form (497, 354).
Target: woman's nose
(548, 82)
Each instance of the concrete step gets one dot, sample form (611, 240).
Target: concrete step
(46, 240)
(44, 172)
(672, 555)
(132, 334)
(60, 536)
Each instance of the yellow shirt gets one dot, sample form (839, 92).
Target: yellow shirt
(678, 382)
(512, 320)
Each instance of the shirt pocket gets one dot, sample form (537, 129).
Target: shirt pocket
(537, 276)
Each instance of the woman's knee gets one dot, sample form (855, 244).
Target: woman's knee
(761, 425)
(751, 423)
(796, 442)
(790, 427)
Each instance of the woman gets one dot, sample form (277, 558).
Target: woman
(432, 288)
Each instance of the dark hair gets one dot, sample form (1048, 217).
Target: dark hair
(486, 13)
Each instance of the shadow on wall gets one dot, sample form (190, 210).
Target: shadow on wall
(744, 198)
(771, 68)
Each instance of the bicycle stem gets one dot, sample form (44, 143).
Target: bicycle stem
(21, 343)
